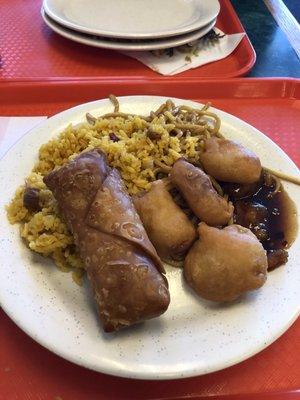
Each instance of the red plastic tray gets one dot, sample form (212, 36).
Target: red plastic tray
(30, 50)
(28, 371)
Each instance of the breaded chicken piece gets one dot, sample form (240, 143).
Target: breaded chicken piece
(196, 187)
(168, 228)
(229, 161)
(225, 263)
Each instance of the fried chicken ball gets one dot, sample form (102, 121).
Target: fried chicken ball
(229, 161)
(169, 229)
(196, 187)
(225, 263)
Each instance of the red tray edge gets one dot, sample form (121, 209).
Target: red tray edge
(143, 80)
(251, 59)
(286, 87)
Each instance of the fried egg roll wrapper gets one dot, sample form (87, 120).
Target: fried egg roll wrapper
(122, 265)
(107, 213)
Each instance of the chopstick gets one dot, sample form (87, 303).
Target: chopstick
(283, 176)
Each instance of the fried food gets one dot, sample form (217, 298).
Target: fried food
(168, 227)
(196, 187)
(122, 265)
(229, 161)
(225, 263)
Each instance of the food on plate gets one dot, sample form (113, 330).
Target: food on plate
(199, 193)
(229, 161)
(168, 227)
(180, 171)
(123, 267)
(237, 191)
(225, 263)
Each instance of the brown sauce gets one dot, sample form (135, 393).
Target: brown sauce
(271, 217)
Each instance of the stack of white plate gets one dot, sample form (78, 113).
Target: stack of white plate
(131, 24)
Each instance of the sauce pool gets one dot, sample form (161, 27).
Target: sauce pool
(270, 216)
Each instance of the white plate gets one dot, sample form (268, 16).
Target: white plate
(123, 44)
(135, 19)
(193, 337)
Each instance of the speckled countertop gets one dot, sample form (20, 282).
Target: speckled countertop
(275, 55)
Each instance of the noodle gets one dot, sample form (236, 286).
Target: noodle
(165, 168)
(160, 109)
(115, 102)
(90, 119)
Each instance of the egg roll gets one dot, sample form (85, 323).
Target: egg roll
(123, 268)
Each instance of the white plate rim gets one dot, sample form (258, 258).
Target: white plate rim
(157, 35)
(111, 45)
(141, 374)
